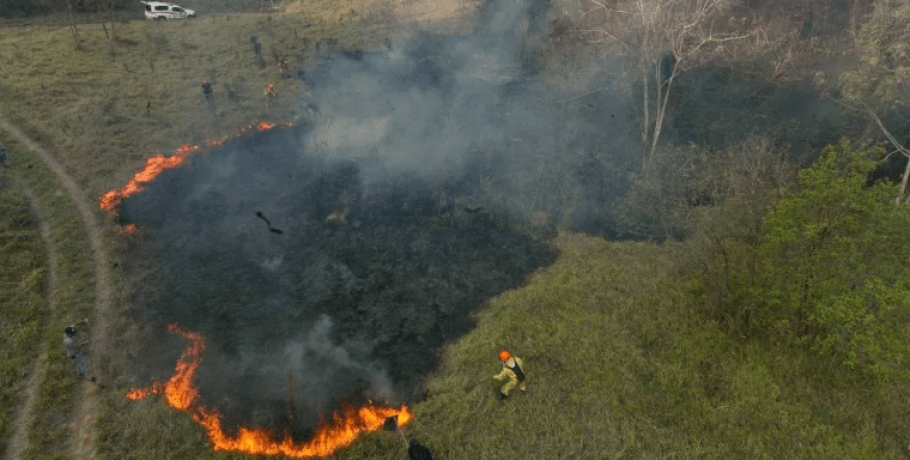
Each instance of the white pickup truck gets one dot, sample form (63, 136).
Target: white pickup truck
(162, 10)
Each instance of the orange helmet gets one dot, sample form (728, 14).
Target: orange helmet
(504, 355)
(271, 86)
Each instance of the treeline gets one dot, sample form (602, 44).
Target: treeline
(799, 246)
(813, 257)
(26, 8)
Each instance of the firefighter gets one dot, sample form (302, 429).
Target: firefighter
(269, 94)
(73, 351)
(513, 369)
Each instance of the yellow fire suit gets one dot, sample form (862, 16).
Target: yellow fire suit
(509, 372)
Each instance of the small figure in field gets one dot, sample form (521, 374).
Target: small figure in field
(257, 50)
(3, 155)
(73, 348)
(284, 68)
(207, 92)
(270, 95)
(512, 369)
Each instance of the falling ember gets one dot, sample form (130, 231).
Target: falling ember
(341, 431)
(159, 163)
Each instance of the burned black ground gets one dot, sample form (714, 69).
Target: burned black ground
(352, 301)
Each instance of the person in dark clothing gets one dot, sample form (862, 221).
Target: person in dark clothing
(418, 452)
(73, 351)
(207, 92)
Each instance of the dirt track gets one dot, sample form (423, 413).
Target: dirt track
(23, 414)
(82, 441)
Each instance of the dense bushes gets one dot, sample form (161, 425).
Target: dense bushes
(822, 264)
(834, 272)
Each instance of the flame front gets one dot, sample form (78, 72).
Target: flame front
(159, 163)
(341, 431)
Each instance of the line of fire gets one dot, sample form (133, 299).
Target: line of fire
(180, 392)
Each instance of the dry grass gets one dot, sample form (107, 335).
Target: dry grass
(74, 297)
(23, 280)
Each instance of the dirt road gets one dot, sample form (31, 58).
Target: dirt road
(82, 440)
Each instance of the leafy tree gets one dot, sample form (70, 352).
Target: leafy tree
(835, 265)
(663, 39)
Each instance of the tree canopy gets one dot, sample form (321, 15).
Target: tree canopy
(835, 272)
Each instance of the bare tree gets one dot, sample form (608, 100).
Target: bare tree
(879, 85)
(65, 7)
(106, 10)
(664, 38)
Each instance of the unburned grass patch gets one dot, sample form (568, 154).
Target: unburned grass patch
(621, 363)
(74, 300)
(23, 283)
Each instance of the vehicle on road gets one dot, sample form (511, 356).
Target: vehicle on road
(162, 11)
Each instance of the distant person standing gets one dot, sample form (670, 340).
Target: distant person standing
(207, 93)
(284, 69)
(74, 350)
(257, 50)
(270, 95)
(3, 155)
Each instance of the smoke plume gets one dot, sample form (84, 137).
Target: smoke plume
(328, 263)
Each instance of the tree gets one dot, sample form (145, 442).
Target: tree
(835, 272)
(65, 7)
(880, 84)
(106, 9)
(664, 38)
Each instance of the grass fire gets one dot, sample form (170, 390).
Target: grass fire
(181, 394)
(347, 310)
(159, 163)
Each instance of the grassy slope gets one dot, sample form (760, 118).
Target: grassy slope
(23, 278)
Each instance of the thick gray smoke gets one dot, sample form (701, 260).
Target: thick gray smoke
(433, 107)
(332, 261)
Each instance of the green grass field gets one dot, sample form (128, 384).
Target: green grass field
(23, 279)
(621, 359)
(74, 300)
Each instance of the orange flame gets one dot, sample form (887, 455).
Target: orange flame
(341, 431)
(159, 163)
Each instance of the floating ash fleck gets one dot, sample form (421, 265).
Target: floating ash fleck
(181, 394)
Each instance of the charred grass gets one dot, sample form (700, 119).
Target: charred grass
(74, 299)
(23, 280)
